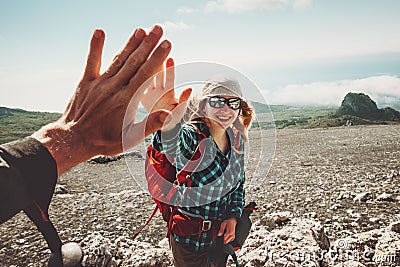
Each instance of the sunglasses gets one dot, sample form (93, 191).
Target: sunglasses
(219, 102)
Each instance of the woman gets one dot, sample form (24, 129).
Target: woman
(215, 196)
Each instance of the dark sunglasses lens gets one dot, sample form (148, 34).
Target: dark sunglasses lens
(216, 102)
(234, 103)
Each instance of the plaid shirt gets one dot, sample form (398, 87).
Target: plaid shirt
(218, 179)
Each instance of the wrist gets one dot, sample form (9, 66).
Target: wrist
(232, 220)
(65, 146)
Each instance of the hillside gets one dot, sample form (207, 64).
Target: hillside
(356, 109)
(289, 116)
(18, 123)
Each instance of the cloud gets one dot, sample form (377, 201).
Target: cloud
(169, 25)
(300, 4)
(382, 89)
(239, 6)
(186, 10)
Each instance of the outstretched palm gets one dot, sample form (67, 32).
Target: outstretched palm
(161, 95)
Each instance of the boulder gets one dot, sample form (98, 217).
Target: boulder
(378, 247)
(102, 252)
(301, 242)
(362, 197)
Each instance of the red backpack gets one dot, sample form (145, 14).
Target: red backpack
(163, 180)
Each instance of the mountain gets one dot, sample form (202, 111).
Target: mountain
(362, 106)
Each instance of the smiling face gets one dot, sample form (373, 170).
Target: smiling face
(222, 111)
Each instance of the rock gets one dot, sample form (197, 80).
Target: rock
(60, 190)
(362, 197)
(362, 106)
(300, 242)
(336, 206)
(374, 220)
(395, 227)
(149, 257)
(350, 263)
(164, 243)
(385, 197)
(387, 250)
(98, 251)
(376, 247)
(135, 154)
(281, 217)
(392, 174)
(72, 254)
(101, 159)
(101, 252)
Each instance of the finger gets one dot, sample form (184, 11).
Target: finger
(132, 44)
(222, 229)
(228, 238)
(94, 58)
(148, 69)
(170, 74)
(139, 56)
(159, 80)
(134, 133)
(185, 95)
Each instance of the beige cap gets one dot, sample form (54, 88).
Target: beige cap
(225, 86)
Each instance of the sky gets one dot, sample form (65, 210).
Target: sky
(295, 51)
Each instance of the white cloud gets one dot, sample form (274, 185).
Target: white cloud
(300, 4)
(238, 6)
(186, 10)
(169, 25)
(382, 89)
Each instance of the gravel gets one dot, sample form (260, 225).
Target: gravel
(347, 178)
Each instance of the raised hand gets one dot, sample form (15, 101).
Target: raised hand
(92, 122)
(160, 94)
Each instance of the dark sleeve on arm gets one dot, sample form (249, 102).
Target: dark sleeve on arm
(237, 201)
(28, 173)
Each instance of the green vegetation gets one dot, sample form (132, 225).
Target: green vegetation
(289, 116)
(356, 109)
(17, 123)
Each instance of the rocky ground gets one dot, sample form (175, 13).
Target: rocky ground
(326, 188)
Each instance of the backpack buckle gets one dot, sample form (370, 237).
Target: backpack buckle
(206, 226)
(176, 183)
